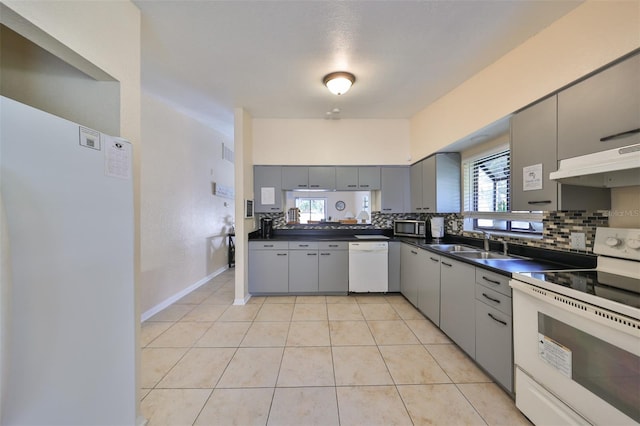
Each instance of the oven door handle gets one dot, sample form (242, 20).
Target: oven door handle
(496, 319)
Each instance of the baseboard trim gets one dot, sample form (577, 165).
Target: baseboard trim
(151, 312)
(240, 302)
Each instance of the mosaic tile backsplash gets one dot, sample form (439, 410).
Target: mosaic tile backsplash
(558, 226)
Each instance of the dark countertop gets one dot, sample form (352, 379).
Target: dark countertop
(528, 259)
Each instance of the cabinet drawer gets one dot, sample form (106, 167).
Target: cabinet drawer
(268, 245)
(333, 245)
(493, 299)
(303, 245)
(492, 280)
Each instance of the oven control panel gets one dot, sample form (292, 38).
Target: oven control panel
(623, 243)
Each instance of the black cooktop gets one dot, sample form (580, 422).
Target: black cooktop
(618, 288)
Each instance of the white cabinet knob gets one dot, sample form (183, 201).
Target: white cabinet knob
(634, 244)
(612, 242)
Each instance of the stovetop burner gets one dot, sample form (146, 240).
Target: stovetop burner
(618, 288)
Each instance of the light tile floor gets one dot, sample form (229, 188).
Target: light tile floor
(309, 360)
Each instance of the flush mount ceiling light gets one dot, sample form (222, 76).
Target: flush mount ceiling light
(339, 82)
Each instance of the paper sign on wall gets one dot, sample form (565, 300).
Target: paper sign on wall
(267, 195)
(532, 177)
(117, 158)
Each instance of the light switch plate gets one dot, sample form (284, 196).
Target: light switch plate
(578, 241)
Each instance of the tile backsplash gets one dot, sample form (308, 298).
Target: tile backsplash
(557, 226)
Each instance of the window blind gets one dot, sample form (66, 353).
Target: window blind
(487, 183)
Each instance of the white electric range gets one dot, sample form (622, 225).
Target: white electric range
(577, 338)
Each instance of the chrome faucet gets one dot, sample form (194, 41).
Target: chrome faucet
(486, 240)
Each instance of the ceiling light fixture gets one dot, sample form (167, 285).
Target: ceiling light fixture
(339, 82)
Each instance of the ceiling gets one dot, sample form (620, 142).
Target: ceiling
(269, 57)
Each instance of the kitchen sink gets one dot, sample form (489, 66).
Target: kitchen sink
(457, 248)
(484, 255)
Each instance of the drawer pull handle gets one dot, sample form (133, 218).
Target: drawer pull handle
(447, 264)
(325, 254)
(282, 254)
(314, 186)
(434, 259)
(268, 245)
(364, 186)
(539, 202)
(312, 254)
(491, 298)
(619, 135)
(491, 281)
(303, 245)
(352, 186)
(333, 245)
(414, 252)
(496, 319)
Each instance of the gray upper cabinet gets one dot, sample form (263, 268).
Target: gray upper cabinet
(295, 177)
(347, 178)
(602, 106)
(322, 177)
(369, 178)
(352, 178)
(394, 187)
(267, 180)
(435, 184)
(533, 142)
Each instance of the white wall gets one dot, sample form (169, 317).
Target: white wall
(589, 37)
(330, 142)
(183, 225)
(103, 40)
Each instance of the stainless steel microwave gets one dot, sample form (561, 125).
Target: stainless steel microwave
(410, 228)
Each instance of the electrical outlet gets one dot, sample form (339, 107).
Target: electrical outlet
(454, 225)
(578, 241)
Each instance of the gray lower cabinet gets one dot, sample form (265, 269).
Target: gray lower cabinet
(394, 266)
(429, 287)
(268, 267)
(333, 267)
(410, 272)
(494, 329)
(457, 303)
(303, 267)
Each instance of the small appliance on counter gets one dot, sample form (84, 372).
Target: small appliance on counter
(437, 228)
(293, 215)
(266, 228)
(410, 228)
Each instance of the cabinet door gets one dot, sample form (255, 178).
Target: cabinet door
(347, 178)
(333, 271)
(303, 271)
(447, 181)
(603, 105)
(369, 178)
(429, 185)
(494, 343)
(533, 142)
(394, 188)
(415, 184)
(295, 177)
(410, 272)
(268, 271)
(321, 177)
(270, 179)
(429, 286)
(457, 303)
(394, 266)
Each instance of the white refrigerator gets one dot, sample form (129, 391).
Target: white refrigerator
(68, 320)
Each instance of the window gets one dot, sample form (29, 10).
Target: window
(312, 209)
(487, 196)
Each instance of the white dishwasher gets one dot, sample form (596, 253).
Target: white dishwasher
(369, 266)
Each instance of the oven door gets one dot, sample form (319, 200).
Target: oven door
(586, 357)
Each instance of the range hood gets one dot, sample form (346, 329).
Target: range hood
(606, 169)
